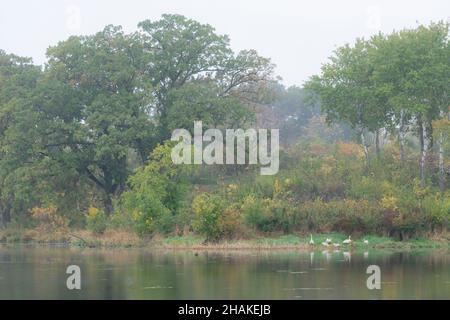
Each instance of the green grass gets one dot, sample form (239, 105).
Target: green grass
(183, 241)
(302, 241)
(286, 240)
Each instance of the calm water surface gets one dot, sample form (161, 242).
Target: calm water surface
(39, 273)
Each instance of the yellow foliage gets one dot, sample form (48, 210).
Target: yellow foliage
(231, 189)
(387, 188)
(48, 218)
(389, 203)
(276, 187)
(249, 201)
(419, 191)
(326, 169)
(93, 212)
(230, 221)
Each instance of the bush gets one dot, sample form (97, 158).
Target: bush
(213, 219)
(150, 215)
(268, 215)
(156, 194)
(48, 218)
(345, 215)
(96, 220)
(252, 211)
(437, 211)
(230, 222)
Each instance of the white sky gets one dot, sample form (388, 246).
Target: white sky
(297, 35)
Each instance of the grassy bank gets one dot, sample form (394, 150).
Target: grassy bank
(127, 239)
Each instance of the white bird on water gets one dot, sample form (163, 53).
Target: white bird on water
(328, 241)
(311, 242)
(347, 241)
(366, 242)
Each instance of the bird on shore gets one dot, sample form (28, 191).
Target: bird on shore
(348, 241)
(366, 242)
(311, 242)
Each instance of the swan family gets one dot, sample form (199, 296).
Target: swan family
(328, 242)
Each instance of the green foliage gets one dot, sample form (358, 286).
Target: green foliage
(214, 217)
(208, 210)
(330, 189)
(268, 215)
(156, 193)
(197, 75)
(345, 215)
(96, 220)
(91, 127)
(73, 131)
(398, 81)
(437, 211)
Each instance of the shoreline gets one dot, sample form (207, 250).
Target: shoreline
(127, 240)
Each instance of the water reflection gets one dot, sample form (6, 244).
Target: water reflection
(347, 256)
(39, 273)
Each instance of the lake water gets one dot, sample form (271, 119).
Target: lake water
(28, 272)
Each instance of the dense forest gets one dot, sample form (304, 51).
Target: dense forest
(85, 139)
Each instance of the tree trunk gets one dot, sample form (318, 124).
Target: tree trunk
(366, 150)
(5, 216)
(423, 152)
(107, 201)
(110, 188)
(377, 142)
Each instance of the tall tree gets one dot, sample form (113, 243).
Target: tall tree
(347, 92)
(412, 69)
(18, 78)
(182, 51)
(89, 109)
(105, 97)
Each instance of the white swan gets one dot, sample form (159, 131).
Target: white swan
(311, 242)
(347, 241)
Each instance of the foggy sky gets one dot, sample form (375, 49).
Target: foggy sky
(297, 35)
